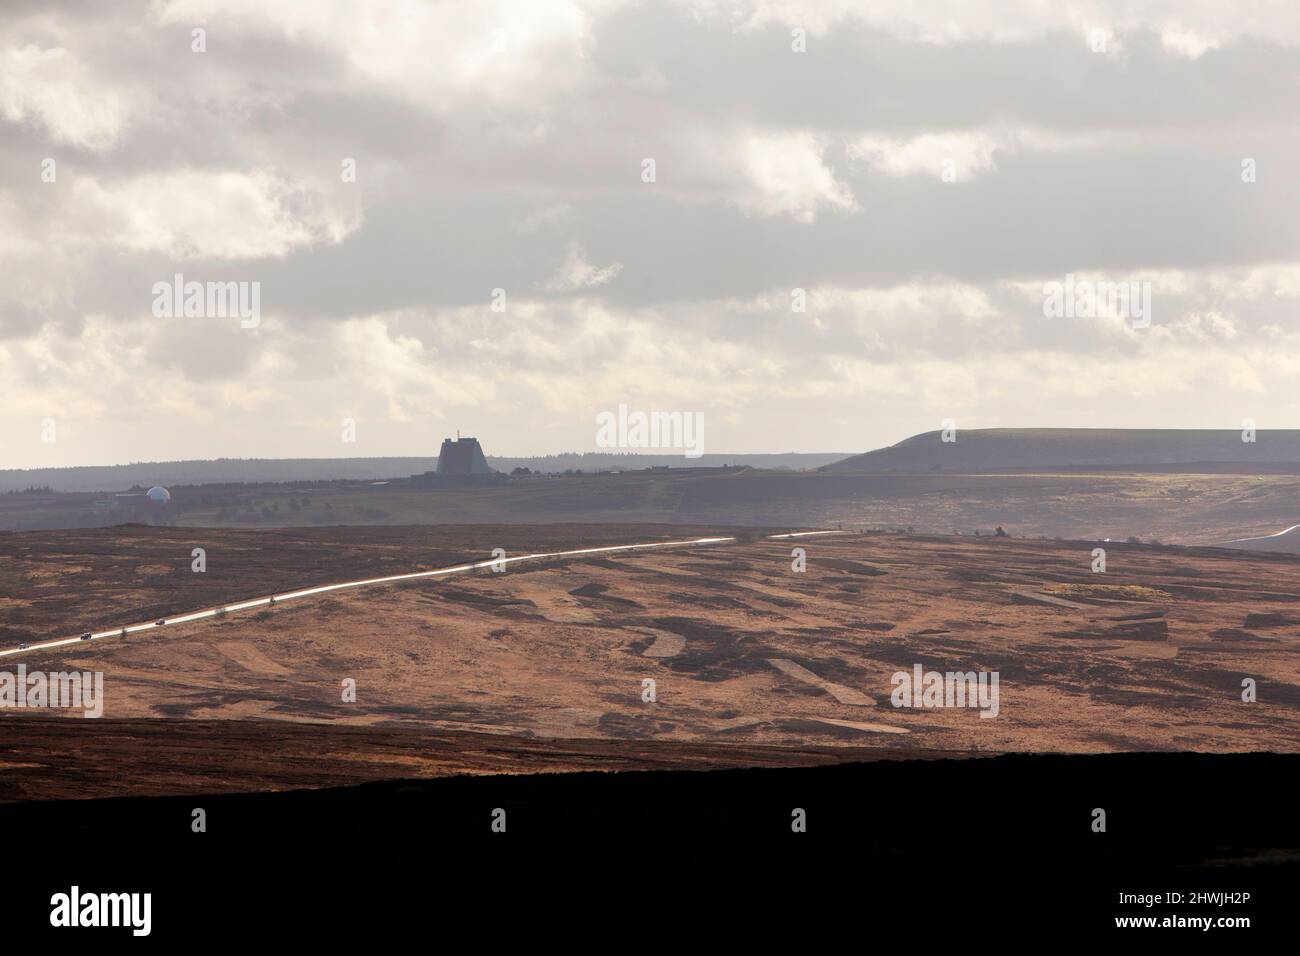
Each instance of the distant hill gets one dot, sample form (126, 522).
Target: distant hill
(260, 470)
(1288, 540)
(998, 449)
(604, 461)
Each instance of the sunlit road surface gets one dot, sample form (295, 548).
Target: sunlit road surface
(803, 534)
(369, 582)
(1265, 537)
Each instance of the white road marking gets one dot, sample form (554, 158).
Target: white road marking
(367, 582)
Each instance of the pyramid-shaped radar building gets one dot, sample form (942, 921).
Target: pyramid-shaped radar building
(464, 456)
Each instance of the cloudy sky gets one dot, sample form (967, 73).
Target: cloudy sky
(920, 170)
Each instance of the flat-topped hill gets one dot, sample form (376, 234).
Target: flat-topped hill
(995, 449)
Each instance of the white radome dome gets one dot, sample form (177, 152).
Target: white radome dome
(159, 494)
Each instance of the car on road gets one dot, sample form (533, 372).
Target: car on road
(86, 636)
(22, 647)
(160, 622)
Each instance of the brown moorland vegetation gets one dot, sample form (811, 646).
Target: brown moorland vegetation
(743, 651)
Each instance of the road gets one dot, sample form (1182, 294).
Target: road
(129, 629)
(1265, 537)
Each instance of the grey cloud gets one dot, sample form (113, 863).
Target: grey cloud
(1127, 166)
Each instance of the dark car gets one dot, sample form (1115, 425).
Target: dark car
(86, 636)
(160, 622)
(22, 647)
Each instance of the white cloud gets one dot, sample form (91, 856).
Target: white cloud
(517, 54)
(577, 273)
(191, 214)
(1199, 23)
(50, 88)
(784, 174)
(1200, 326)
(383, 362)
(1187, 42)
(1246, 284)
(959, 155)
